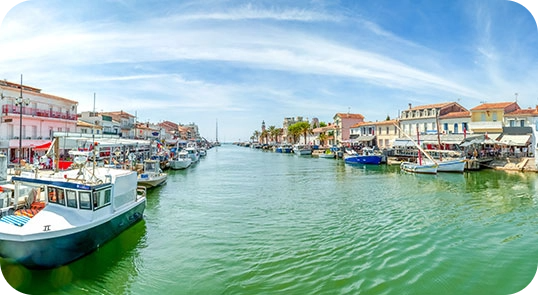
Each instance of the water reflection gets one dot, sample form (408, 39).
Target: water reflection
(114, 261)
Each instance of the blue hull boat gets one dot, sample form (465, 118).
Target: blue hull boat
(364, 159)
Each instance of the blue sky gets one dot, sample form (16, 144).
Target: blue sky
(244, 62)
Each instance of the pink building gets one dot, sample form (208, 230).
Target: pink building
(31, 123)
(343, 123)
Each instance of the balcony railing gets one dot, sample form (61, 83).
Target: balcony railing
(13, 109)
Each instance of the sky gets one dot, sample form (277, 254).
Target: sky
(239, 63)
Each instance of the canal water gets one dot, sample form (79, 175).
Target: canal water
(245, 221)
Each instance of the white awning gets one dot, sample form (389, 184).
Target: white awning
(516, 140)
(402, 143)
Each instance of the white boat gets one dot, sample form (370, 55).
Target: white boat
(302, 150)
(450, 165)
(418, 168)
(448, 160)
(152, 175)
(181, 161)
(193, 151)
(67, 214)
(327, 154)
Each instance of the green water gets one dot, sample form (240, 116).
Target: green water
(245, 221)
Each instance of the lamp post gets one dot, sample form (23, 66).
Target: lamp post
(19, 101)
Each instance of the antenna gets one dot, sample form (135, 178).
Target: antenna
(516, 96)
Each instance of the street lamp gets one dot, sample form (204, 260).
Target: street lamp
(19, 101)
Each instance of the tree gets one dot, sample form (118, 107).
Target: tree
(264, 135)
(322, 138)
(304, 128)
(271, 130)
(256, 135)
(322, 124)
(294, 131)
(278, 133)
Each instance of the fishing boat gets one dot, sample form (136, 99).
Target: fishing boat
(180, 161)
(419, 166)
(67, 214)
(368, 156)
(152, 175)
(302, 150)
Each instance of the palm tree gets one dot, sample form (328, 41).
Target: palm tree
(322, 138)
(304, 128)
(278, 133)
(294, 131)
(271, 130)
(264, 135)
(256, 135)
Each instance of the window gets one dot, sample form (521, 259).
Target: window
(84, 200)
(56, 195)
(101, 198)
(483, 117)
(522, 123)
(71, 198)
(494, 117)
(464, 126)
(445, 127)
(512, 123)
(456, 128)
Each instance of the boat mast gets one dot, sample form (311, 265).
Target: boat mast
(438, 136)
(417, 145)
(217, 131)
(419, 153)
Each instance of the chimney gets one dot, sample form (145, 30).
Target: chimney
(409, 105)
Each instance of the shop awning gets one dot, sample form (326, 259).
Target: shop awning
(516, 140)
(402, 143)
(42, 147)
(365, 138)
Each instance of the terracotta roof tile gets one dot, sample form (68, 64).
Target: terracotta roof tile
(490, 106)
(456, 115)
(350, 116)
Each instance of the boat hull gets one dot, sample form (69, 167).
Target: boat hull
(359, 159)
(40, 252)
(180, 164)
(416, 168)
(152, 181)
(457, 166)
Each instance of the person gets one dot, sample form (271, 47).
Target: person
(475, 153)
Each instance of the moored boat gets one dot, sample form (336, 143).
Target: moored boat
(302, 150)
(368, 156)
(68, 214)
(152, 175)
(418, 168)
(180, 161)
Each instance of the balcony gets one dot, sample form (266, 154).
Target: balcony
(13, 109)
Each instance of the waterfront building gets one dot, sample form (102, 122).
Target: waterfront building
(489, 117)
(424, 118)
(387, 133)
(343, 123)
(85, 128)
(324, 136)
(108, 124)
(37, 116)
(287, 123)
(189, 131)
(126, 123)
(362, 133)
(521, 128)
